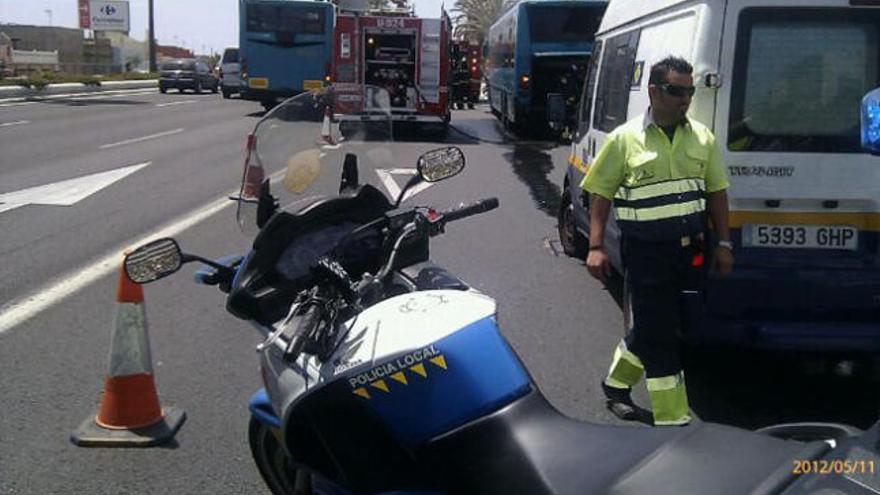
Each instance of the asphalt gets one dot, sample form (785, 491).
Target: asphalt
(561, 323)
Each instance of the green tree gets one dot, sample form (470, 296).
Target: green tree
(474, 17)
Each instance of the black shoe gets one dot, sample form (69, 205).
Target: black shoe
(620, 403)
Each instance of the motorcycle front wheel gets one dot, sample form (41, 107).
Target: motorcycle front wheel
(274, 464)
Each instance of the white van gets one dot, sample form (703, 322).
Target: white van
(780, 83)
(230, 73)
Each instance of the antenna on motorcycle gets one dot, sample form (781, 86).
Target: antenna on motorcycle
(349, 178)
(266, 205)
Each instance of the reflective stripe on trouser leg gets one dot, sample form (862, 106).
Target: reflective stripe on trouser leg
(626, 368)
(669, 400)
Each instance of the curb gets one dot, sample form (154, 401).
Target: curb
(74, 88)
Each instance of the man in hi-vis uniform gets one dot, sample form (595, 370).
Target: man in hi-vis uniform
(662, 173)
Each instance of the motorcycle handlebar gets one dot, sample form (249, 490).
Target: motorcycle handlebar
(481, 206)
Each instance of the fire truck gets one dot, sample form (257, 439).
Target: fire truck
(466, 73)
(405, 55)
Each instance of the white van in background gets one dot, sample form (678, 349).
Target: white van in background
(230, 73)
(780, 83)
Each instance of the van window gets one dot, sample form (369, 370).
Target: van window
(590, 84)
(612, 96)
(230, 56)
(799, 77)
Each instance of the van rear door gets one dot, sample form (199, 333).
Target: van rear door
(804, 196)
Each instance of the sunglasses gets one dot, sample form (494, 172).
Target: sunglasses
(677, 91)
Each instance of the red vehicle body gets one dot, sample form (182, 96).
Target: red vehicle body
(467, 74)
(405, 55)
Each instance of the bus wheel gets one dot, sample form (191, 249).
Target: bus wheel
(573, 242)
(268, 105)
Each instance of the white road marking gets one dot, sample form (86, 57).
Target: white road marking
(21, 310)
(19, 104)
(184, 102)
(20, 122)
(117, 92)
(144, 138)
(67, 192)
(385, 175)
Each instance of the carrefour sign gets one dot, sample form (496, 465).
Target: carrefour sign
(108, 15)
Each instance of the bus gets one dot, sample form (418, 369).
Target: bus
(535, 48)
(285, 47)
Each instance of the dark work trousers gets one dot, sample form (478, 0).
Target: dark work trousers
(658, 273)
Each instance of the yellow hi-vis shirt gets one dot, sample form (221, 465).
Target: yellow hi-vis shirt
(658, 188)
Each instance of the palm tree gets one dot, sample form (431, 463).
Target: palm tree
(474, 17)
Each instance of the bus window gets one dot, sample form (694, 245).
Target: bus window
(563, 24)
(612, 96)
(277, 18)
(799, 77)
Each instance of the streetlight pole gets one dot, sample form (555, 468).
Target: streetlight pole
(152, 40)
(49, 13)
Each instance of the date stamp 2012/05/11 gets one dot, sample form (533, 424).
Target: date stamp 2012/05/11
(838, 466)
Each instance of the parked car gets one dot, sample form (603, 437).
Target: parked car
(187, 73)
(230, 73)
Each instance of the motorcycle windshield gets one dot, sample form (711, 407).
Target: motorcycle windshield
(314, 145)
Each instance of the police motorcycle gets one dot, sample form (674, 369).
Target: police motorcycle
(386, 373)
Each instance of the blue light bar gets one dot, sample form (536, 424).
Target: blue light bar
(871, 122)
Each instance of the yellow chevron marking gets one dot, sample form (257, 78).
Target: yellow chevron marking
(420, 369)
(362, 392)
(439, 361)
(381, 385)
(400, 377)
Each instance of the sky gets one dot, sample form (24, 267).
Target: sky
(206, 26)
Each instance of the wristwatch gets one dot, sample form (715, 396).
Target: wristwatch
(726, 245)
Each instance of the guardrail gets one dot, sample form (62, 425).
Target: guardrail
(15, 92)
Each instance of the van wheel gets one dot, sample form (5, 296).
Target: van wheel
(226, 95)
(163, 90)
(573, 242)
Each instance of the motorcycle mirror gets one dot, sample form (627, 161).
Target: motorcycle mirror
(440, 164)
(871, 122)
(153, 261)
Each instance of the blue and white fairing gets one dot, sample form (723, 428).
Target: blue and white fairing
(423, 363)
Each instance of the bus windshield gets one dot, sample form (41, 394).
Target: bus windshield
(799, 78)
(274, 18)
(562, 23)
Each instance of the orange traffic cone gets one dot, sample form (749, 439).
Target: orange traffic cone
(129, 415)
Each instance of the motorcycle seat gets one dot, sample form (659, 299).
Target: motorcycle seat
(530, 447)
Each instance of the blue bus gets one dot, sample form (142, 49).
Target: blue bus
(535, 48)
(286, 47)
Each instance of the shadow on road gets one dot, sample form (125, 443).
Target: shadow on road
(533, 165)
(91, 102)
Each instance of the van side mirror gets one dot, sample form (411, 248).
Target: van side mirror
(871, 122)
(556, 110)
